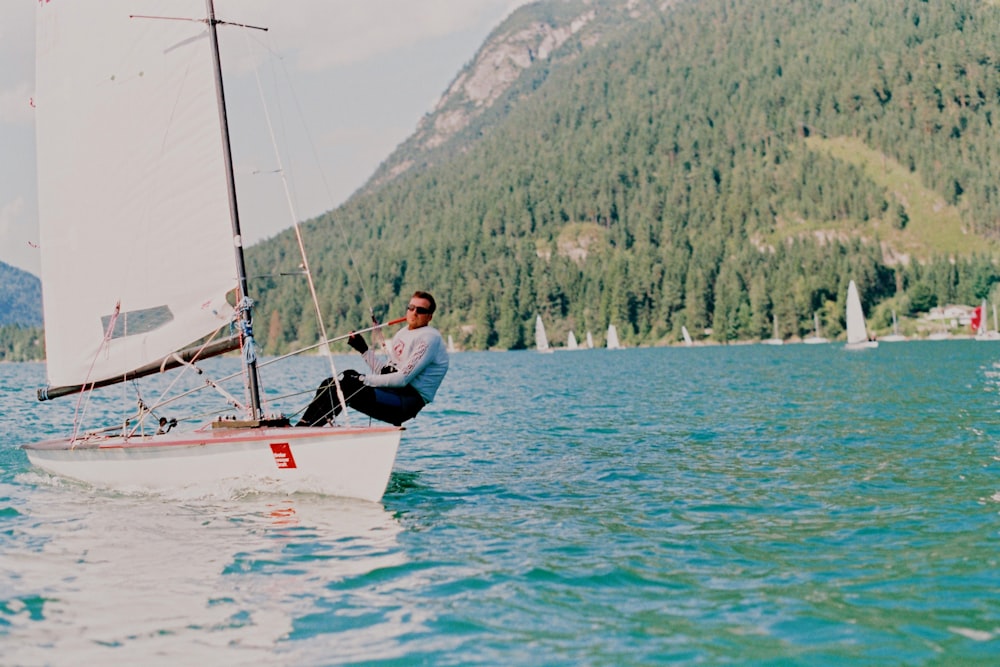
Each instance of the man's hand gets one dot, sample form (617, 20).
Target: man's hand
(351, 375)
(357, 342)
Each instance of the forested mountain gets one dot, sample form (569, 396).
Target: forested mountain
(718, 164)
(20, 315)
(20, 297)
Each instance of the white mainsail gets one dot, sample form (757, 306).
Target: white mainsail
(571, 343)
(133, 210)
(590, 341)
(687, 336)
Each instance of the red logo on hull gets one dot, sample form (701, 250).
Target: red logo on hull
(283, 455)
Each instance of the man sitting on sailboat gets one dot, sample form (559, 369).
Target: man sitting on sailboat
(398, 387)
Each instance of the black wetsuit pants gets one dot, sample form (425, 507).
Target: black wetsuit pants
(393, 405)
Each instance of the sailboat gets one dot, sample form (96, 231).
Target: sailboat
(816, 338)
(590, 341)
(613, 343)
(775, 338)
(451, 344)
(895, 336)
(982, 333)
(687, 336)
(571, 343)
(541, 340)
(857, 331)
(142, 260)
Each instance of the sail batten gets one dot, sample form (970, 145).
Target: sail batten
(133, 204)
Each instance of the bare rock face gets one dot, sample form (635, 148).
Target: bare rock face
(498, 65)
(515, 47)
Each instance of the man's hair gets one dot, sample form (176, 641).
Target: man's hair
(427, 297)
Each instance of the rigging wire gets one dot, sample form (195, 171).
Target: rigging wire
(323, 178)
(298, 235)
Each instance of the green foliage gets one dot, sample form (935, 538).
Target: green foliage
(720, 164)
(922, 298)
(19, 343)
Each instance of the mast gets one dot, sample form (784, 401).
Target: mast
(244, 307)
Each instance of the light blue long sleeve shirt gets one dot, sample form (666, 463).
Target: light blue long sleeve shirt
(420, 358)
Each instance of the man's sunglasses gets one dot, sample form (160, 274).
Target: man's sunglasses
(420, 309)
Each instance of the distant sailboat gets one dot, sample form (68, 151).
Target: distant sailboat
(590, 341)
(816, 338)
(451, 343)
(775, 337)
(687, 336)
(541, 340)
(982, 333)
(571, 342)
(857, 331)
(895, 336)
(613, 343)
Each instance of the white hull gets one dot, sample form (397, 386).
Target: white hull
(863, 345)
(338, 461)
(815, 339)
(892, 338)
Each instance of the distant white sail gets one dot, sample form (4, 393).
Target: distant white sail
(775, 338)
(613, 343)
(687, 336)
(541, 340)
(895, 336)
(451, 343)
(590, 341)
(857, 331)
(983, 332)
(571, 343)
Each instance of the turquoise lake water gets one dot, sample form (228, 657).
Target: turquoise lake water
(795, 505)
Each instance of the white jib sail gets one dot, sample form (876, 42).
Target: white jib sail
(133, 203)
(856, 330)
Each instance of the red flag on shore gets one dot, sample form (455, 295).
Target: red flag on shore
(977, 318)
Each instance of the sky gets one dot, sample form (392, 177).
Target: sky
(360, 76)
